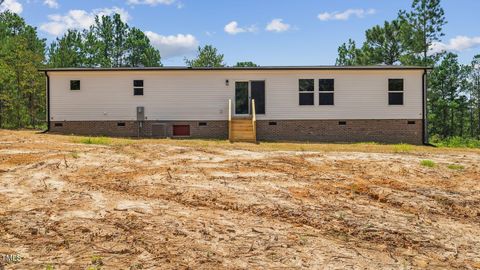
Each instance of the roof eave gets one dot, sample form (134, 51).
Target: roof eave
(239, 68)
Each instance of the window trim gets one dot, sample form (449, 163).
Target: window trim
(312, 92)
(135, 88)
(396, 92)
(79, 85)
(320, 92)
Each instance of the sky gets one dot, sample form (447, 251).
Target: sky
(267, 32)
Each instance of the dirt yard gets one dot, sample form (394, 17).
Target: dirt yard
(164, 204)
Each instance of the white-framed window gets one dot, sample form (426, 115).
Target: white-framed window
(74, 84)
(395, 91)
(138, 87)
(306, 92)
(326, 94)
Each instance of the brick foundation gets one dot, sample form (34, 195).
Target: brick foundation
(386, 131)
(212, 130)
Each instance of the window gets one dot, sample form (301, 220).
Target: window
(272, 123)
(342, 123)
(306, 89)
(411, 122)
(138, 87)
(120, 124)
(395, 91)
(202, 124)
(326, 87)
(75, 85)
(59, 124)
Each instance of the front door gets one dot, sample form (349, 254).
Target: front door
(245, 92)
(242, 98)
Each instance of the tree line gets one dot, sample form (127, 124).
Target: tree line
(453, 98)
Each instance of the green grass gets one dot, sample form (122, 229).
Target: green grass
(428, 163)
(96, 140)
(402, 148)
(103, 141)
(455, 142)
(97, 263)
(455, 167)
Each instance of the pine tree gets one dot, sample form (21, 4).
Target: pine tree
(424, 26)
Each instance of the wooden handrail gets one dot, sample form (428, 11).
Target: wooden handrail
(230, 120)
(254, 120)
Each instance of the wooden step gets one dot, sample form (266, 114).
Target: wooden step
(242, 124)
(242, 130)
(242, 134)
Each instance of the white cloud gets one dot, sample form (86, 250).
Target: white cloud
(232, 28)
(12, 5)
(173, 45)
(277, 25)
(457, 44)
(150, 2)
(51, 3)
(78, 19)
(345, 15)
(210, 33)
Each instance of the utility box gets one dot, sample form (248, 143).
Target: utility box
(140, 113)
(159, 130)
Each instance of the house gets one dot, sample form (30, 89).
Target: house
(307, 103)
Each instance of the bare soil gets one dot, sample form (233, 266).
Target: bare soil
(162, 204)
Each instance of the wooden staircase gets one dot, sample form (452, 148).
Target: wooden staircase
(242, 129)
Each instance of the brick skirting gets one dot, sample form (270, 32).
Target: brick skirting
(386, 131)
(212, 129)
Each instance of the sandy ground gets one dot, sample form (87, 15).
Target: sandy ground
(156, 205)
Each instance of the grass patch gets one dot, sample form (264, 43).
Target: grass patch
(75, 154)
(455, 167)
(95, 140)
(367, 143)
(103, 141)
(97, 263)
(428, 163)
(402, 148)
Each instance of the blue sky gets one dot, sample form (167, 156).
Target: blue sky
(267, 32)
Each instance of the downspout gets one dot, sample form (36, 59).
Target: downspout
(48, 102)
(424, 109)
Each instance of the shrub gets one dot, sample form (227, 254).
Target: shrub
(455, 142)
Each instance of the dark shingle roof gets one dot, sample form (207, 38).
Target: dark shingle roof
(383, 67)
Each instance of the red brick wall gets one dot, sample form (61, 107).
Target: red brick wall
(386, 131)
(213, 129)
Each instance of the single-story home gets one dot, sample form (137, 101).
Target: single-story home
(287, 103)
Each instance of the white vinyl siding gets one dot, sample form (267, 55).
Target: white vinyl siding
(203, 95)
